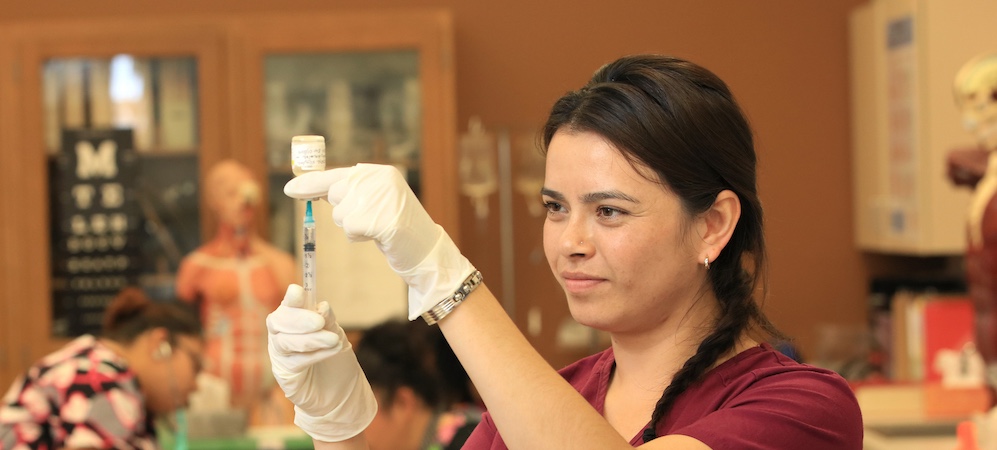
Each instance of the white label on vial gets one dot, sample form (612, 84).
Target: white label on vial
(308, 155)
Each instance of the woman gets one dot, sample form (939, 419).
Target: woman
(103, 392)
(654, 230)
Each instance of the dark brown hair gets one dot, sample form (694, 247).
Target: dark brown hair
(399, 353)
(132, 313)
(681, 121)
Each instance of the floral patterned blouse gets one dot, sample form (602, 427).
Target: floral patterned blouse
(81, 396)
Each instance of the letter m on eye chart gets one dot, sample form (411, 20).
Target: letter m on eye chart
(96, 224)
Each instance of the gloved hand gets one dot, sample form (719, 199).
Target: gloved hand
(374, 202)
(314, 364)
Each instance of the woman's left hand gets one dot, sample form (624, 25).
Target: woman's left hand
(315, 366)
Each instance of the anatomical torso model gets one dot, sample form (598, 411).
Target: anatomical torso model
(236, 279)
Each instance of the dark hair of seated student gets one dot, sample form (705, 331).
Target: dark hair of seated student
(425, 399)
(132, 313)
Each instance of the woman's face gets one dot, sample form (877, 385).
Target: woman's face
(615, 240)
(172, 375)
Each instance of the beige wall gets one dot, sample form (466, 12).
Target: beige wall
(785, 60)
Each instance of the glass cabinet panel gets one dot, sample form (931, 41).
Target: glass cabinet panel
(121, 134)
(366, 105)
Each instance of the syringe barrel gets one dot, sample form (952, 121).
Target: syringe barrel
(308, 267)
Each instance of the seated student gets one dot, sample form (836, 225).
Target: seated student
(103, 392)
(423, 403)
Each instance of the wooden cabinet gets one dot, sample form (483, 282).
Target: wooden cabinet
(228, 106)
(28, 152)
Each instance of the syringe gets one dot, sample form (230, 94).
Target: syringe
(308, 260)
(308, 155)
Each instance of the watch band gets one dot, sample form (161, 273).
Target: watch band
(448, 304)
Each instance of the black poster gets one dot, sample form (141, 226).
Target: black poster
(95, 226)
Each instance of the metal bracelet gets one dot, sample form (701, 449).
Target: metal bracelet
(448, 304)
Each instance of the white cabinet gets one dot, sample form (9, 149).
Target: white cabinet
(904, 57)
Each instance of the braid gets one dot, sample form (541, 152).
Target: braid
(719, 342)
(738, 313)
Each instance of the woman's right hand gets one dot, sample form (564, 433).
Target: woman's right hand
(314, 364)
(374, 202)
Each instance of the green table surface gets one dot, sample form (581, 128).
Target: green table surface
(252, 441)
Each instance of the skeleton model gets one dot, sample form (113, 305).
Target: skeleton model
(976, 96)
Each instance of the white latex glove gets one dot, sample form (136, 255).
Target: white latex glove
(374, 202)
(314, 364)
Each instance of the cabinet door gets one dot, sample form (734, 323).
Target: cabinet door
(905, 123)
(114, 120)
(379, 88)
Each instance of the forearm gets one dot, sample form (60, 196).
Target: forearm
(358, 442)
(532, 405)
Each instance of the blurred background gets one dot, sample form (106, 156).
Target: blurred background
(452, 93)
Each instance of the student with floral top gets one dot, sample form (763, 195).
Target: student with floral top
(103, 392)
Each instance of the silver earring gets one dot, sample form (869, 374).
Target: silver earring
(706, 262)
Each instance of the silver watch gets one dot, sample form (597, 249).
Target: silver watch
(448, 304)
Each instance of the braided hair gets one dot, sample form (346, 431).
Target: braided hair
(681, 121)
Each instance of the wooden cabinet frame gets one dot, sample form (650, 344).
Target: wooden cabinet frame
(10, 262)
(23, 157)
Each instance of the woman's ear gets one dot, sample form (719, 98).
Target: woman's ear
(406, 398)
(403, 403)
(716, 225)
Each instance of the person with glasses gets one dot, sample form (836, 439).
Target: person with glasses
(104, 391)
